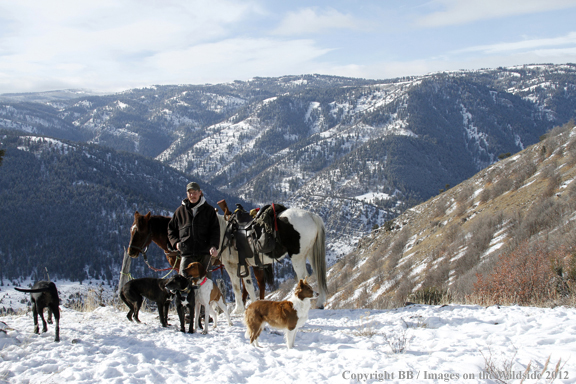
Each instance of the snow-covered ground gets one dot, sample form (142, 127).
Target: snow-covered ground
(407, 345)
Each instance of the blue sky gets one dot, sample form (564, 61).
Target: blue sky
(113, 45)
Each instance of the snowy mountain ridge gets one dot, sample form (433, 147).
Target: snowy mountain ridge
(319, 142)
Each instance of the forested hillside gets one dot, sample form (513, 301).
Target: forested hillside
(67, 207)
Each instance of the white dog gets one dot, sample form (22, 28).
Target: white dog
(208, 294)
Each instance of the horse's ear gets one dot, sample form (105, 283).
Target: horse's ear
(136, 214)
(147, 217)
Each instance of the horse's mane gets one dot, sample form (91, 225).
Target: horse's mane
(159, 224)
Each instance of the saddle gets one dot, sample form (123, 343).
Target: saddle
(251, 235)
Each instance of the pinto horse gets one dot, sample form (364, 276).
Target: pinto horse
(302, 235)
(153, 228)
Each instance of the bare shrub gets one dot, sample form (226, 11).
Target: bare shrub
(463, 199)
(441, 206)
(403, 290)
(524, 170)
(499, 369)
(397, 247)
(485, 195)
(482, 231)
(398, 342)
(465, 194)
(451, 233)
(542, 215)
(437, 277)
(554, 179)
(366, 328)
(429, 296)
(502, 186)
(524, 277)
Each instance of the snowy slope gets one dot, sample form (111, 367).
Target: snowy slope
(440, 344)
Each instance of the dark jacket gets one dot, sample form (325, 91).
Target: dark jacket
(197, 228)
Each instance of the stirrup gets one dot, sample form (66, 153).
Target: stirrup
(245, 273)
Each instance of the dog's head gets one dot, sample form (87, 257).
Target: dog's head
(305, 291)
(195, 271)
(176, 283)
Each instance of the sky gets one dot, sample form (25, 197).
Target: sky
(114, 45)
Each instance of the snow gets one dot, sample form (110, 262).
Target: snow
(414, 344)
(371, 196)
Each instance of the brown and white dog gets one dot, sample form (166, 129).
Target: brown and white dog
(289, 315)
(208, 294)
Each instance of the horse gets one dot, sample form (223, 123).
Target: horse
(154, 228)
(300, 234)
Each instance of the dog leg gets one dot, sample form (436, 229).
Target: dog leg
(196, 316)
(56, 311)
(290, 337)
(160, 306)
(137, 309)
(44, 325)
(192, 310)
(35, 312)
(166, 310)
(214, 314)
(180, 311)
(254, 331)
(49, 315)
(224, 309)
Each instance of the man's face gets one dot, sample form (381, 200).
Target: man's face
(194, 195)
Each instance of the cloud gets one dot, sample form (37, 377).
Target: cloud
(569, 39)
(236, 58)
(314, 20)
(457, 12)
(85, 44)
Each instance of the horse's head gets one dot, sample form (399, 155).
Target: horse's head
(140, 235)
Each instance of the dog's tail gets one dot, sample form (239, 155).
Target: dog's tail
(35, 290)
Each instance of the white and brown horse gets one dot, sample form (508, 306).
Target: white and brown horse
(301, 235)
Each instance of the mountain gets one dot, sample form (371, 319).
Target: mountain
(515, 219)
(356, 151)
(67, 207)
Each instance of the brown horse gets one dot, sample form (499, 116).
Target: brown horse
(154, 228)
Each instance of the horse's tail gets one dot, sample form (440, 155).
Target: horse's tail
(35, 290)
(319, 257)
(269, 275)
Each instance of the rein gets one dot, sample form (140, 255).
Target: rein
(144, 249)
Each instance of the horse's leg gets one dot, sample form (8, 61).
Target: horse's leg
(249, 286)
(299, 265)
(231, 268)
(260, 275)
(244, 292)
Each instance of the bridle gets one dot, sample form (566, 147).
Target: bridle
(144, 248)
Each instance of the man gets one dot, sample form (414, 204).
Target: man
(194, 229)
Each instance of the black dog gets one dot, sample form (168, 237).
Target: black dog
(153, 289)
(185, 297)
(44, 294)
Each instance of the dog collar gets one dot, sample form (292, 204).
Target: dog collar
(203, 281)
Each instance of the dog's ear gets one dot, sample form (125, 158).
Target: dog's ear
(188, 269)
